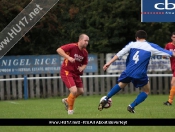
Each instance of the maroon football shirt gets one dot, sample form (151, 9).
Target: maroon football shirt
(170, 46)
(80, 56)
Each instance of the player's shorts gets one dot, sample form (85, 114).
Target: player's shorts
(71, 79)
(137, 82)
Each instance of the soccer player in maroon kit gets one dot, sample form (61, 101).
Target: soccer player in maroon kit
(76, 60)
(171, 46)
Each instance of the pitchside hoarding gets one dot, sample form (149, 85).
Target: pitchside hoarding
(41, 64)
(157, 64)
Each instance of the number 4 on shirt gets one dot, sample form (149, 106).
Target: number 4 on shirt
(136, 57)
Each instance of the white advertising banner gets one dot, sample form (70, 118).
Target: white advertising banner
(157, 64)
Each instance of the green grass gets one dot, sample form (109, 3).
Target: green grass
(86, 107)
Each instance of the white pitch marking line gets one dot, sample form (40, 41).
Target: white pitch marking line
(12, 102)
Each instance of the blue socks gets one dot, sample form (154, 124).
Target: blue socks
(113, 91)
(140, 98)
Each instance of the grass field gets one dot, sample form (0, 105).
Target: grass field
(86, 107)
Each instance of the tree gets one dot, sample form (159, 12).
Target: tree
(110, 25)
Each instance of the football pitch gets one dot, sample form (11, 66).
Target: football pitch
(86, 107)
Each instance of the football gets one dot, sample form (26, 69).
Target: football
(108, 105)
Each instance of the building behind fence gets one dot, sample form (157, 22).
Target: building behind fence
(54, 87)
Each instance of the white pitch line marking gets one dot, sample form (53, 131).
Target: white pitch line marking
(12, 102)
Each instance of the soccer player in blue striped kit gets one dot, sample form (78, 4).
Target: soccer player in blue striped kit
(139, 54)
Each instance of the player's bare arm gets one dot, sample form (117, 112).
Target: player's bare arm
(63, 54)
(81, 68)
(110, 62)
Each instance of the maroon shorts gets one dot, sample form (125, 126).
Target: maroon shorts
(71, 79)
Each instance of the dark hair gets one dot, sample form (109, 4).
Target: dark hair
(173, 33)
(141, 34)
